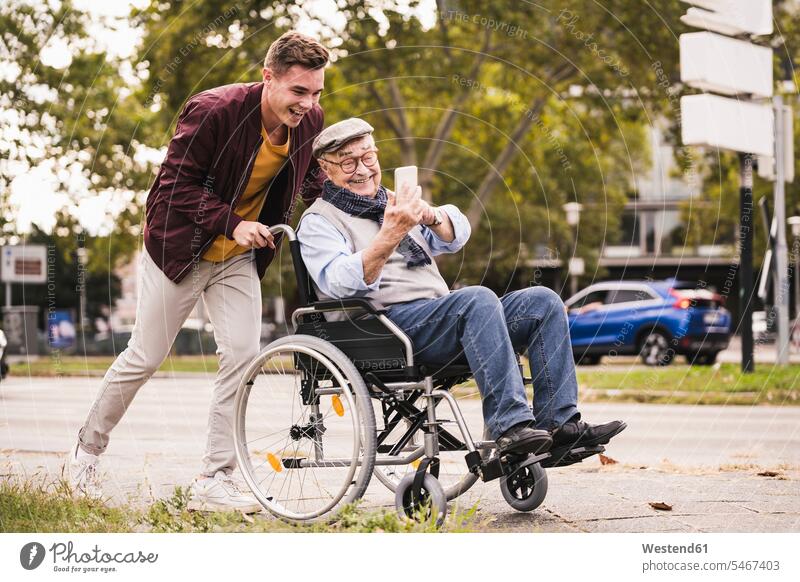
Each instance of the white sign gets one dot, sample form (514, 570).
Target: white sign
(713, 62)
(24, 264)
(731, 17)
(576, 266)
(725, 123)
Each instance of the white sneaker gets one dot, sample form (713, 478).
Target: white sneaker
(82, 473)
(221, 493)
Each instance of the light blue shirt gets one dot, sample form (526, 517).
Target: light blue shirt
(339, 272)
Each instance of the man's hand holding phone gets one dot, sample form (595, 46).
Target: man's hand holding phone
(404, 210)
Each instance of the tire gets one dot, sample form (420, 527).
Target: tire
(704, 359)
(526, 488)
(654, 349)
(588, 360)
(454, 476)
(432, 494)
(280, 438)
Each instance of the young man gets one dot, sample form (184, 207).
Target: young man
(240, 156)
(360, 239)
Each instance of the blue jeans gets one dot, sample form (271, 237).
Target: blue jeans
(488, 330)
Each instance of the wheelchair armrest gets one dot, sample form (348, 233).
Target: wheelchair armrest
(371, 307)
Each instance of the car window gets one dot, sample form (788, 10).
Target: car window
(593, 297)
(627, 295)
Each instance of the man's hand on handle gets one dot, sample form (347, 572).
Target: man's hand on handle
(253, 235)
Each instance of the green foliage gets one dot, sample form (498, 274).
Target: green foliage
(35, 505)
(81, 123)
(80, 114)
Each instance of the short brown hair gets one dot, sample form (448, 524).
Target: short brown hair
(293, 48)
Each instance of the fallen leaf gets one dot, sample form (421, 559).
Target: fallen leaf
(660, 505)
(768, 474)
(607, 460)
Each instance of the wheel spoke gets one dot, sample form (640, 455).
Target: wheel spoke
(274, 419)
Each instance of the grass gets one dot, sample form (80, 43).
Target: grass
(675, 384)
(37, 506)
(719, 384)
(97, 365)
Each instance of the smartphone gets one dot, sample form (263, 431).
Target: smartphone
(405, 175)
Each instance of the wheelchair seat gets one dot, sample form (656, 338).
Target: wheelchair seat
(374, 349)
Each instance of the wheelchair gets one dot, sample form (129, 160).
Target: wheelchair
(320, 412)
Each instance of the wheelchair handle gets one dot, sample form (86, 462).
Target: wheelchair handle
(285, 229)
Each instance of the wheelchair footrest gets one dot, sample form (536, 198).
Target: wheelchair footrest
(491, 469)
(565, 457)
(497, 467)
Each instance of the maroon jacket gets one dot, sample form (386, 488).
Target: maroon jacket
(207, 167)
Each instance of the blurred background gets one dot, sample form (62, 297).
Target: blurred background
(554, 125)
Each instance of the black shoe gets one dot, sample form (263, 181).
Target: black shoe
(521, 438)
(577, 433)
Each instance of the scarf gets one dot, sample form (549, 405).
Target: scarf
(373, 209)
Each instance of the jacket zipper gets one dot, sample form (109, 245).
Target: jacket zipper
(291, 185)
(248, 173)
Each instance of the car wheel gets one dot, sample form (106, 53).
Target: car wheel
(654, 349)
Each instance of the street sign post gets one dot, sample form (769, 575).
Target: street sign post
(712, 62)
(26, 264)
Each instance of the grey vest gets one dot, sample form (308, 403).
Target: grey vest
(399, 283)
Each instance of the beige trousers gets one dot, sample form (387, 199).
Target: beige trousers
(232, 293)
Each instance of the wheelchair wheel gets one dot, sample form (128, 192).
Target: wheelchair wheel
(526, 488)
(304, 428)
(454, 477)
(431, 502)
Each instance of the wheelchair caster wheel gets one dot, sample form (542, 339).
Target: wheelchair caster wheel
(525, 488)
(432, 499)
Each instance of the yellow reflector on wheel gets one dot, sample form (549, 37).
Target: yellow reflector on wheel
(415, 464)
(274, 462)
(338, 407)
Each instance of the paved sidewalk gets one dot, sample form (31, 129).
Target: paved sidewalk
(702, 460)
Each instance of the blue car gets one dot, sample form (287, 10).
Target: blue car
(654, 319)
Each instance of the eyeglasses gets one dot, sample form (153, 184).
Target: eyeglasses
(349, 166)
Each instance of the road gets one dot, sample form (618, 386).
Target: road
(702, 460)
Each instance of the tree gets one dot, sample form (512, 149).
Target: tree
(480, 101)
(77, 117)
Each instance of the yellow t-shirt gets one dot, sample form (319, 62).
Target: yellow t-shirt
(268, 163)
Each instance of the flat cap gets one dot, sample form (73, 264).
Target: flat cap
(334, 136)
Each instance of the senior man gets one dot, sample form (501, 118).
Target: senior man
(361, 240)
